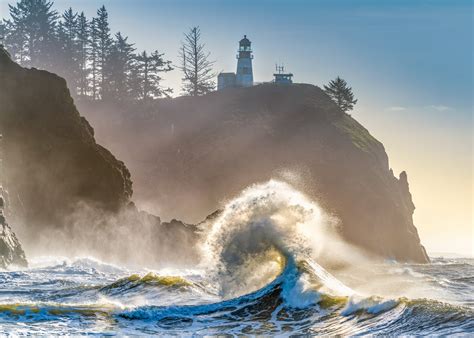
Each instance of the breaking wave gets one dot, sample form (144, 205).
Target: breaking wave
(261, 273)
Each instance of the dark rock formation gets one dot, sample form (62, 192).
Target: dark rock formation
(69, 194)
(11, 251)
(196, 152)
(51, 153)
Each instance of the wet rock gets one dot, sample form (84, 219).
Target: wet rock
(11, 251)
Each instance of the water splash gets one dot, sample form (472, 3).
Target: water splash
(264, 226)
(260, 274)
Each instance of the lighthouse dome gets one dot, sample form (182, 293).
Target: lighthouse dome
(244, 41)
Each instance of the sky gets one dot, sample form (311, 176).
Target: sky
(409, 63)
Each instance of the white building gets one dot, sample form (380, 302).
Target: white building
(244, 75)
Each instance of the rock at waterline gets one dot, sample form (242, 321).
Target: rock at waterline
(11, 251)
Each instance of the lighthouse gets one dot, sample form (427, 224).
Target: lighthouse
(244, 75)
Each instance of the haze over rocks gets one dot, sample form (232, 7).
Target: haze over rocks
(70, 195)
(187, 155)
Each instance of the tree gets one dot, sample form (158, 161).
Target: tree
(120, 64)
(14, 41)
(103, 45)
(94, 62)
(147, 79)
(70, 27)
(134, 79)
(59, 49)
(198, 76)
(82, 48)
(94, 59)
(69, 49)
(32, 32)
(3, 31)
(341, 94)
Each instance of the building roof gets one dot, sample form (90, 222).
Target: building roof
(244, 41)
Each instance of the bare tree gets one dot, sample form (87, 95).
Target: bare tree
(195, 64)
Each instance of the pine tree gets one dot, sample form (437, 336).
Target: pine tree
(195, 64)
(14, 42)
(341, 94)
(60, 65)
(104, 48)
(120, 64)
(82, 55)
(67, 36)
(32, 32)
(85, 53)
(134, 80)
(148, 80)
(70, 26)
(3, 31)
(94, 59)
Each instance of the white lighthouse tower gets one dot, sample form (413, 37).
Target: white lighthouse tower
(244, 75)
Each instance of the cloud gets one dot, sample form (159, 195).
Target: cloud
(440, 107)
(396, 108)
(437, 107)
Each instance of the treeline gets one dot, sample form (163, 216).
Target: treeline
(97, 64)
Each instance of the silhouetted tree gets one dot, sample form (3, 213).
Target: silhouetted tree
(94, 59)
(134, 79)
(147, 75)
(82, 55)
(84, 52)
(2, 37)
(32, 33)
(59, 48)
(70, 27)
(198, 76)
(14, 42)
(341, 94)
(69, 49)
(3, 32)
(103, 45)
(120, 64)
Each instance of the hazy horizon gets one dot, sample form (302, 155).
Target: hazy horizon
(409, 63)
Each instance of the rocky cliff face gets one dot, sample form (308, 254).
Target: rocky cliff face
(187, 156)
(11, 251)
(196, 152)
(53, 158)
(69, 194)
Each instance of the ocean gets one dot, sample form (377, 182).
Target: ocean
(271, 265)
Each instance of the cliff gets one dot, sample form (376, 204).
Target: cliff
(187, 155)
(11, 251)
(196, 152)
(53, 159)
(69, 195)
